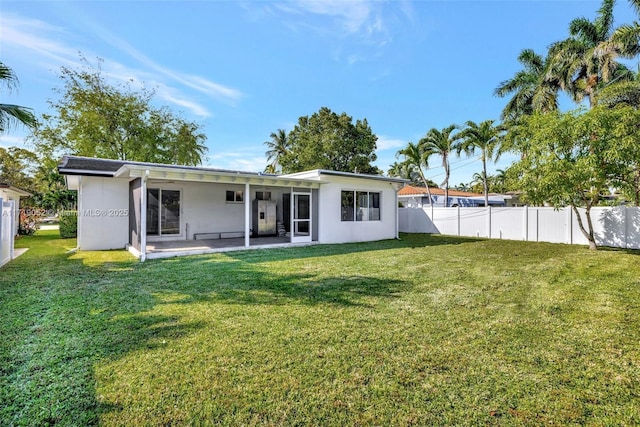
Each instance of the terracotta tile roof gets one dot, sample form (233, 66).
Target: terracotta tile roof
(410, 190)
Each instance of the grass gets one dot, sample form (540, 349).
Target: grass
(429, 330)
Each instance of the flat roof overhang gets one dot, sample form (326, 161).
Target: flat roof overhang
(194, 175)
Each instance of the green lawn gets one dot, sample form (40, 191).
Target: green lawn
(430, 330)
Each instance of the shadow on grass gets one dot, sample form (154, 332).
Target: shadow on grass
(63, 313)
(60, 317)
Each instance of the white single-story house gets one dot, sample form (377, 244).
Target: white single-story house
(418, 197)
(157, 210)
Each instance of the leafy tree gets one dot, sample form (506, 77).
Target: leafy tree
(442, 142)
(96, 118)
(416, 160)
(406, 170)
(588, 59)
(485, 137)
(572, 158)
(278, 147)
(50, 190)
(620, 93)
(532, 88)
(326, 140)
(17, 166)
(12, 114)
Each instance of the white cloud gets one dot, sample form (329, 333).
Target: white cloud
(42, 44)
(385, 143)
(361, 18)
(7, 141)
(242, 160)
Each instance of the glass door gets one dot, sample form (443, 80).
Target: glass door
(163, 212)
(301, 217)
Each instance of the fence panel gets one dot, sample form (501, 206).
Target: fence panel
(445, 220)
(508, 223)
(474, 222)
(613, 226)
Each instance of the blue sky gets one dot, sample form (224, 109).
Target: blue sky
(245, 69)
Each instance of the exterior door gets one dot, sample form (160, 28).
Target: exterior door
(301, 217)
(163, 212)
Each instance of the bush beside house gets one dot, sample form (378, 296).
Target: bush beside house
(68, 224)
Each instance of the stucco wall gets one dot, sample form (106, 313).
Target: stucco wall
(7, 194)
(103, 220)
(331, 229)
(204, 207)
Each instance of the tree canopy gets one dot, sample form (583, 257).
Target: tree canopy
(573, 158)
(94, 117)
(326, 140)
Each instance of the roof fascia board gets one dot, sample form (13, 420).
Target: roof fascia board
(215, 177)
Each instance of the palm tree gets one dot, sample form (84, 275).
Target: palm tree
(441, 142)
(278, 147)
(587, 60)
(13, 114)
(418, 160)
(532, 90)
(486, 137)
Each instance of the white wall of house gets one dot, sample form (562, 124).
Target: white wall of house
(204, 208)
(331, 227)
(103, 221)
(8, 194)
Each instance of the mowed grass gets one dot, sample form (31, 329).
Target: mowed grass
(429, 330)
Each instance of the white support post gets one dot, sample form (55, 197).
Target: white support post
(247, 214)
(489, 222)
(12, 209)
(143, 217)
(458, 211)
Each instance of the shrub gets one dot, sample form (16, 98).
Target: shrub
(28, 221)
(68, 224)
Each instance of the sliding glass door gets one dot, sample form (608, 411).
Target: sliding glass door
(163, 212)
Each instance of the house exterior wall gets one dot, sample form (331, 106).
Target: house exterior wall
(331, 228)
(205, 210)
(103, 213)
(7, 194)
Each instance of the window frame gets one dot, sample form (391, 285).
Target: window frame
(236, 199)
(358, 208)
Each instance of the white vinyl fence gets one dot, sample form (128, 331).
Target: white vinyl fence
(7, 227)
(614, 226)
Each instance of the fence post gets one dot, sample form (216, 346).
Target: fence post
(526, 223)
(569, 225)
(458, 210)
(489, 222)
(626, 229)
(537, 225)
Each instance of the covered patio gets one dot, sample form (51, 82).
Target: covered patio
(168, 249)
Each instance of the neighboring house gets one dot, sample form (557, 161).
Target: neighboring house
(10, 208)
(7, 193)
(157, 210)
(417, 197)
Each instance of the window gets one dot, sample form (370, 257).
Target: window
(360, 206)
(234, 196)
(263, 195)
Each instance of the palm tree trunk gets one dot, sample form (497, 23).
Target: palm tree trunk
(485, 181)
